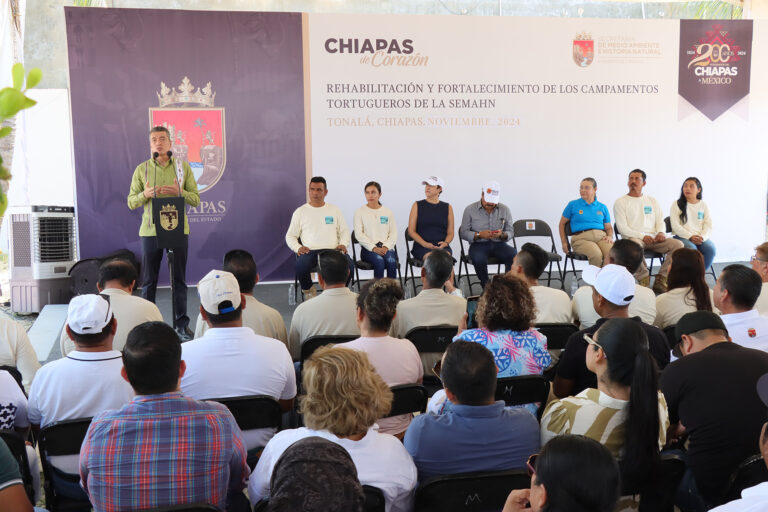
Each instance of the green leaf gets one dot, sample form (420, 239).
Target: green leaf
(33, 78)
(11, 101)
(5, 130)
(3, 203)
(18, 75)
(28, 102)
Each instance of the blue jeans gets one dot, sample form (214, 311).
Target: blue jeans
(480, 251)
(687, 497)
(707, 249)
(388, 261)
(68, 489)
(305, 262)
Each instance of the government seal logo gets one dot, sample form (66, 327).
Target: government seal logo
(583, 50)
(169, 217)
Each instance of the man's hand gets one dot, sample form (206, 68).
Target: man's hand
(485, 234)
(517, 500)
(647, 240)
(660, 237)
(302, 250)
(381, 251)
(342, 248)
(697, 239)
(495, 235)
(149, 192)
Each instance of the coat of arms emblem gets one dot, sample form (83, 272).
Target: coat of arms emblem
(583, 50)
(169, 217)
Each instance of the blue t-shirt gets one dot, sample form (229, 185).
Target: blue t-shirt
(584, 216)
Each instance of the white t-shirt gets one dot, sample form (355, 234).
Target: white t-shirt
(13, 403)
(77, 386)
(381, 461)
(372, 226)
(397, 362)
(748, 329)
(642, 305)
(233, 361)
(762, 301)
(16, 350)
(552, 305)
(753, 499)
(672, 305)
(262, 319)
(637, 217)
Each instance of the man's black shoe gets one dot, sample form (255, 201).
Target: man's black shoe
(185, 333)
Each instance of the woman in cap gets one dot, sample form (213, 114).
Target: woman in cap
(430, 223)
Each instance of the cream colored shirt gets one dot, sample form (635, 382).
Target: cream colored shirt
(372, 226)
(642, 305)
(262, 319)
(552, 305)
(129, 311)
(428, 308)
(672, 305)
(699, 221)
(319, 228)
(762, 302)
(16, 350)
(333, 312)
(637, 217)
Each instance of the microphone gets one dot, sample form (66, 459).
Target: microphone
(155, 155)
(154, 161)
(170, 154)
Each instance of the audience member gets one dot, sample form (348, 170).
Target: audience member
(162, 448)
(315, 475)
(640, 219)
(760, 265)
(84, 383)
(333, 312)
(16, 350)
(691, 222)
(613, 288)
(552, 304)
(396, 360)
(13, 416)
(13, 496)
(476, 432)
(376, 230)
(629, 255)
(344, 398)
(262, 319)
(231, 360)
(316, 227)
(591, 230)
(430, 222)
(736, 292)
(487, 225)
(712, 398)
(117, 279)
(571, 474)
(687, 289)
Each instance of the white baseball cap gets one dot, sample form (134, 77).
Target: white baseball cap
(613, 282)
(492, 192)
(216, 287)
(89, 313)
(435, 181)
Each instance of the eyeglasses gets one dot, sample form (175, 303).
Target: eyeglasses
(531, 464)
(757, 258)
(437, 367)
(589, 340)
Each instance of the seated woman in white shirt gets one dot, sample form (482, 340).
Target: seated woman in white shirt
(344, 396)
(376, 230)
(691, 221)
(396, 360)
(687, 289)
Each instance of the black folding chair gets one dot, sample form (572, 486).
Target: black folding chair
(61, 438)
(571, 255)
(408, 398)
(374, 499)
(253, 411)
(557, 334)
(668, 225)
(313, 343)
(647, 253)
(411, 262)
(471, 492)
(17, 446)
(364, 265)
(431, 340)
(465, 261)
(524, 228)
(657, 493)
(524, 389)
(750, 472)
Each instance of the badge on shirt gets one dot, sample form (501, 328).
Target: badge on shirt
(581, 212)
(647, 209)
(329, 220)
(700, 215)
(384, 220)
(752, 333)
(600, 212)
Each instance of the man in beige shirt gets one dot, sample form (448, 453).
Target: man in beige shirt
(760, 265)
(262, 319)
(552, 305)
(333, 312)
(16, 350)
(116, 281)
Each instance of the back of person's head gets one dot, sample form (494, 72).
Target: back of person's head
(506, 304)
(579, 475)
(687, 270)
(533, 260)
(334, 268)
(152, 358)
(118, 270)
(438, 265)
(742, 284)
(241, 264)
(315, 475)
(90, 320)
(469, 372)
(343, 393)
(378, 300)
(630, 363)
(627, 254)
(220, 298)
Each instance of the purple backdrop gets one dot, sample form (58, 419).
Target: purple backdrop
(117, 61)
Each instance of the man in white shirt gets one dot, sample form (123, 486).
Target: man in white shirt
(640, 219)
(231, 360)
(85, 382)
(315, 227)
(117, 278)
(735, 294)
(264, 320)
(760, 265)
(629, 255)
(333, 312)
(552, 305)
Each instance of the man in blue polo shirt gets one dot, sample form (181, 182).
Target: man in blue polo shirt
(474, 432)
(591, 231)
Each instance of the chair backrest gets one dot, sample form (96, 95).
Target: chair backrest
(255, 411)
(480, 491)
(667, 224)
(433, 338)
(353, 242)
(524, 389)
(557, 333)
(408, 398)
(17, 446)
(63, 437)
(568, 234)
(750, 472)
(374, 499)
(669, 331)
(313, 343)
(532, 227)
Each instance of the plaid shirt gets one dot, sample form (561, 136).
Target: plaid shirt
(162, 450)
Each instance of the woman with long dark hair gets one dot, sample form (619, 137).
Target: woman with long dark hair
(687, 289)
(691, 221)
(376, 230)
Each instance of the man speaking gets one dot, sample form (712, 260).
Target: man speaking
(163, 176)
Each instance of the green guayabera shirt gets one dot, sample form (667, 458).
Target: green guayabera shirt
(145, 173)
